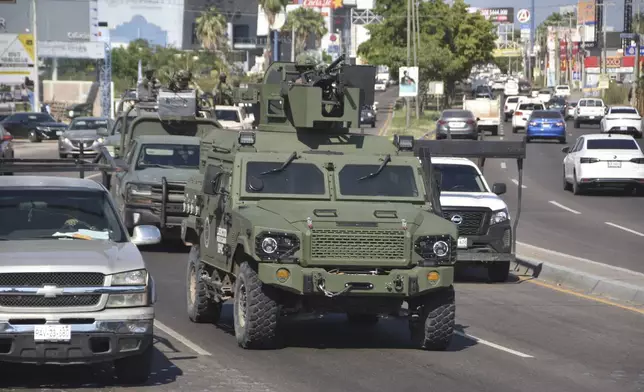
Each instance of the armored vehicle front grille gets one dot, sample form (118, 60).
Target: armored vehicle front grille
(357, 244)
(60, 279)
(175, 191)
(37, 301)
(472, 221)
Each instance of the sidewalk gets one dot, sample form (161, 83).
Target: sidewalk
(587, 276)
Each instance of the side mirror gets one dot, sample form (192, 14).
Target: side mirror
(121, 164)
(499, 188)
(565, 150)
(146, 235)
(478, 119)
(102, 132)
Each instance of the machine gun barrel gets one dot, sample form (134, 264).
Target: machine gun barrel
(335, 63)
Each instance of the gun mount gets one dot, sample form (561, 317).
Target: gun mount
(295, 96)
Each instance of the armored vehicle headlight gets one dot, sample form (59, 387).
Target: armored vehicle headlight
(130, 278)
(276, 246)
(246, 138)
(499, 216)
(436, 249)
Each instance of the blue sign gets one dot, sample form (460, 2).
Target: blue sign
(333, 49)
(525, 26)
(630, 51)
(627, 35)
(576, 76)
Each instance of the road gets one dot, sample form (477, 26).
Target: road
(519, 336)
(606, 226)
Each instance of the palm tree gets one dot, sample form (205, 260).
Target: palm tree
(271, 9)
(304, 22)
(211, 30)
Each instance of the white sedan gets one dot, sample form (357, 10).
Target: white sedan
(603, 160)
(622, 119)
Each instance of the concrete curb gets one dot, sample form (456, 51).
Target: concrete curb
(589, 284)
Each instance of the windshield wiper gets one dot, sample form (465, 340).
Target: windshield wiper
(290, 159)
(384, 163)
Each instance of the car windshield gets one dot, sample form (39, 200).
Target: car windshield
(572, 104)
(40, 117)
(296, 178)
(94, 123)
(172, 155)
(28, 214)
(458, 178)
(392, 181)
(531, 106)
(546, 114)
(227, 115)
(513, 100)
(623, 111)
(611, 144)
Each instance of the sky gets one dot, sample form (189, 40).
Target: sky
(543, 8)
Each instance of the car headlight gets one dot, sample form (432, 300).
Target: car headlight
(369, 115)
(100, 140)
(436, 250)
(130, 278)
(499, 216)
(139, 193)
(533, 124)
(66, 140)
(71, 113)
(279, 246)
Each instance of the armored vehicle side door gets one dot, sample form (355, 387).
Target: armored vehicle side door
(118, 178)
(216, 191)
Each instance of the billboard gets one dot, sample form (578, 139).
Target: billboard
(160, 22)
(587, 21)
(496, 15)
(16, 57)
(408, 81)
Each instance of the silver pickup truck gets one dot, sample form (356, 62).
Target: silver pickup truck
(73, 285)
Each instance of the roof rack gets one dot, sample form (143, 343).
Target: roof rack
(481, 149)
(65, 165)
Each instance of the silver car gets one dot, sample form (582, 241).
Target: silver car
(460, 123)
(88, 132)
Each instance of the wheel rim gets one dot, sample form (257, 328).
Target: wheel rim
(192, 285)
(241, 305)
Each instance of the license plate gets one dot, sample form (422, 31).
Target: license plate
(591, 117)
(457, 124)
(614, 164)
(52, 333)
(546, 125)
(58, 133)
(623, 128)
(462, 243)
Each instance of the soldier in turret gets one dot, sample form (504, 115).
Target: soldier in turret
(149, 85)
(223, 92)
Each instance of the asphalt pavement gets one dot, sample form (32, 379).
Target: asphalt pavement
(603, 226)
(518, 336)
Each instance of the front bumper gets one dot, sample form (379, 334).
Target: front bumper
(95, 337)
(69, 148)
(367, 120)
(402, 283)
(493, 246)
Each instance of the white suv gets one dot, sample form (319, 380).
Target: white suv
(523, 112)
(510, 106)
(562, 91)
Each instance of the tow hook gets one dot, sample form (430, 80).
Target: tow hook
(320, 284)
(399, 283)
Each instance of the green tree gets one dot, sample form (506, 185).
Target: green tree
(305, 22)
(271, 9)
(452, 40)
(211, 27)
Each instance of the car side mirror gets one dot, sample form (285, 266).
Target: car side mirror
(499, 188)
(146, 235)
(121, 164)
(565, 150)
(102, 132)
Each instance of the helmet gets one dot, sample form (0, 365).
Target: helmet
(184, 74)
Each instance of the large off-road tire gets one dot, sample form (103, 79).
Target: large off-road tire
(363, 319)
(498, 272)
(135, 370)
(256, 311)
(201, 308)
(434, 328)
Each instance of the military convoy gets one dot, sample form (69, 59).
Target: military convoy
(304, 216)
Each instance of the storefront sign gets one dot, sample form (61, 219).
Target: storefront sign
(76, 36)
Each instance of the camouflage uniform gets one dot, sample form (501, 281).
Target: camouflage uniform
(149, 85)
(223, 92)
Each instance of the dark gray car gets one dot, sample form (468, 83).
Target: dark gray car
(461, 124)
(90, 132)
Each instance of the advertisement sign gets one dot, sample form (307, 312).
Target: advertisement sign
(498, 15)
(630, 51)
(563, 49)
(523, 16)
(408, 81)
(72, 50)
(16, 57)
(319, 3)
(586, 12)
(507, 52)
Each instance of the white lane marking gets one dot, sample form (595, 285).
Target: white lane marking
(182, 339)
(581, 259)
(624, 228)
(503, 165)
(516, 182)
(493, 345)
(563, 207)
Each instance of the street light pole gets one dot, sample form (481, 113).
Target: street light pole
(34, 32)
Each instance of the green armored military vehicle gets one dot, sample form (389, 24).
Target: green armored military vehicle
(305, 216)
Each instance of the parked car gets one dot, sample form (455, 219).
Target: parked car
(34, 126)
(461, 124)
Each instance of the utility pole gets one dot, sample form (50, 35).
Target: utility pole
(638, 45)
(603, 5)
(417, 3)
(34, 32)
(408, 113)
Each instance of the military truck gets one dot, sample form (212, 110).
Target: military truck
(156, 149)
(304, 216)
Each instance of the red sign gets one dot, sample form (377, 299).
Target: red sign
(563, 49)
(575, 48)
(333, 38)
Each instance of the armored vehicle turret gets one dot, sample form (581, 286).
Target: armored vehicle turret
(305, 216)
